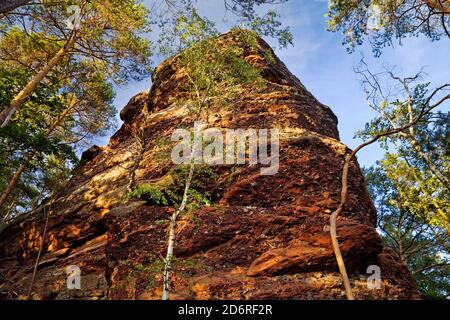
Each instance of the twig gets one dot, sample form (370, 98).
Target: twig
(437, 265)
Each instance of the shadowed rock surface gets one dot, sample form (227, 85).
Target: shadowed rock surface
(262, 237)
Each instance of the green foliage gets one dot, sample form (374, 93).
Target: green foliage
(222, 76)
(383, 21)
(111, 47)
(271, 26)
(110, 38)
(171, 193)
(416, 160)
(150, 271)
(424, 248)
(424, 195)
(410, 184)
(160, 222)
(197, 199)
(27, 133)
(215, 72)
(204, 177)
(267, 24)
(248, 14)
(150, 193)
(433, 284)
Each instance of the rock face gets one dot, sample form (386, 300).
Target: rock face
(262, 237)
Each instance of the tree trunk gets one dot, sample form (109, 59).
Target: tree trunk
(172, 230)
(173, 219)
(23, 95)
(9, 5)
(333, 231)
(15, 179)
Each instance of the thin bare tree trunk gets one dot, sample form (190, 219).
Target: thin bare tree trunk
(41, 247)
(172, 230)
(23, 95)
(173, 219)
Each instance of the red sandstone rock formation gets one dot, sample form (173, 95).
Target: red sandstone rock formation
(263, 237)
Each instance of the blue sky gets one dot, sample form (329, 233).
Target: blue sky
(323, 65)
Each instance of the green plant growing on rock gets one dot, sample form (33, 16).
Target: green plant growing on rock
(159, 222)
(150, 271)
(151, 193)
(170, 193)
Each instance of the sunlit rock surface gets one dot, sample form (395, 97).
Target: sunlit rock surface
(263, 237)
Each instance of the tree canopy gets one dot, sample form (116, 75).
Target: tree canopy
(382, 22)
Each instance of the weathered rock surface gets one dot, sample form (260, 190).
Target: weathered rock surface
(263, 237)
